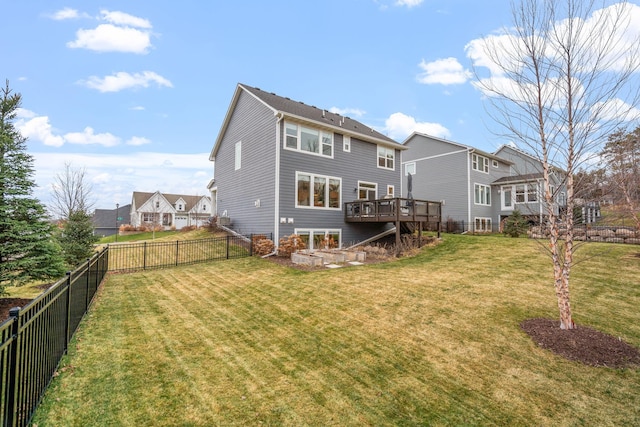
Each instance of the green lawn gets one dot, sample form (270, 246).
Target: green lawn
(429, 340)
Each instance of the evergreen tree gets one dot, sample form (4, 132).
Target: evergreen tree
(27, 249)
(515, 224)
(77, 238)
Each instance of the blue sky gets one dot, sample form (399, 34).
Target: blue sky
(135, 92)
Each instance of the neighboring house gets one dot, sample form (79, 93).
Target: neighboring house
(523, 189)
(169, 211)
(107, 221)
(476, 188)
(285, 167)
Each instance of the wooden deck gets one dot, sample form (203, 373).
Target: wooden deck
(397, 210)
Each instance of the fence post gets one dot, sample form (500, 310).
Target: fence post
(228, 246)
(144, 256)
(88, 273)
(11, 407)
(67, 321)
(177, 250)
(251, 244)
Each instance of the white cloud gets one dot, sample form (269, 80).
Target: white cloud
(616, 109)
(445, 71)
(138, 140)
(408, 3)
(88, 137)
(124, 19)
(38, 128)
(112, 38)
(67, 13)
(399, 126)
(122, 80)
(348, 111)
(137, 108)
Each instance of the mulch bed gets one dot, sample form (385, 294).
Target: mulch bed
(583, 344)
(7, 304)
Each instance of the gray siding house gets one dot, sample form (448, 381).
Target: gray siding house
(460, 176)
(285, 167)
(478, 188)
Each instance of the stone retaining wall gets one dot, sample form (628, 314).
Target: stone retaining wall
(607, 234)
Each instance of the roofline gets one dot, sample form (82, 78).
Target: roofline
(284, 114)
(467, 147)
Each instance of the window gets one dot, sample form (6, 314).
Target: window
(524, 193)
(390, 190)
(157, 205)
(410, 168)
(317, 191)
(494, 163)
(346, 143)
(166, 219)
(367, 190)
(320, 239)
(386, 156)
(482, 195)
(482, 225)
(149, 217)
(532, 193)
(313, 141)
(480, 163)
(238, 154)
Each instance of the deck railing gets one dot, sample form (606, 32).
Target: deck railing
(396, 209)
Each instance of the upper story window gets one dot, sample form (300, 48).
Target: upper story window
(317, 191)
(410, 168)
(386, 157)
(313, 141)
(346, 143)
(480, 163)
(238, 154)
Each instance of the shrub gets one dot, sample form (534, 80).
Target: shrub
(290, 244)
(262, 245)
(515, 225)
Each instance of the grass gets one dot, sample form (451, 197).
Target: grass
(428, 340)
(159, 236)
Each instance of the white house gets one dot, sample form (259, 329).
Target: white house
(169, 211)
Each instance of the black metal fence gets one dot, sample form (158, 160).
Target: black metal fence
(36, 336)
(150, 255)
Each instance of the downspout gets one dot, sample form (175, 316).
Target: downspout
(469, 192)
(276, 211)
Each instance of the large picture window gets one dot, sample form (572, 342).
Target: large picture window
(301, 138)
(318, 191)
(519, 194)
(482, 195)
(386, 157)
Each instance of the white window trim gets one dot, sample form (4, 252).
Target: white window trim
(324, 231)
(474, 163)
(299, 140)
(487, 192)
(346, 143)
(311, 206)
(407, 166)
(390, 190)
(374, 188)
(503, 191)
(494, 163)
(238, 156)
(487, 222)
(386, 150)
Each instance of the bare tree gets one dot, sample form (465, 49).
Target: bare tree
(621, 159)
(71, 192)
(563, 77)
